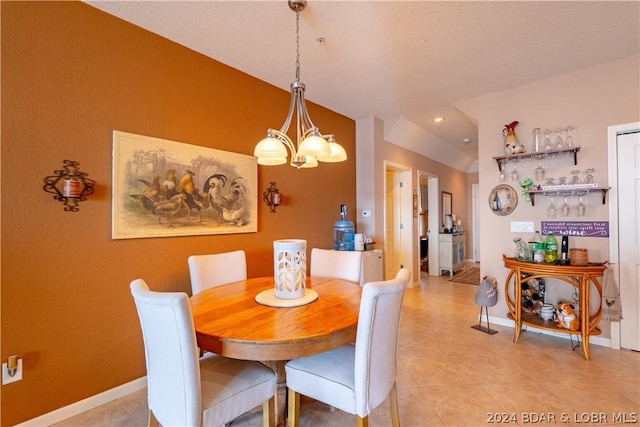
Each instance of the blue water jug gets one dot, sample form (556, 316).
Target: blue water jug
(343, 232)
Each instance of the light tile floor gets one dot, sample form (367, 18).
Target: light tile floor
(452, 375)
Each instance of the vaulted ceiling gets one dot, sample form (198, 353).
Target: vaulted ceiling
(405, 62)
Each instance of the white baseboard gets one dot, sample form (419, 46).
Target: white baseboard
(596, 340)
(81, 406)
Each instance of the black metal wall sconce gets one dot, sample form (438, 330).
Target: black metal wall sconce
(69, 185)
(272, 197)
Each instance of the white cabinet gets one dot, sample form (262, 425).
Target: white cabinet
(371, 266)
(452, 250)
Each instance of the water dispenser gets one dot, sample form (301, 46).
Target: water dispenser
(343, 232)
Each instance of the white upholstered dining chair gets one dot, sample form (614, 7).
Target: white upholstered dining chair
(346, 265)
(184, 390)
(356, 378)
(211, 270)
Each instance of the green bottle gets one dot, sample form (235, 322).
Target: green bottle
(550, 248)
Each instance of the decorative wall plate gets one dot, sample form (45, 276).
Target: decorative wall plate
(503, 199)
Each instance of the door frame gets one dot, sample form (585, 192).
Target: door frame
(475, 225)
(614, 233)
(406, 212)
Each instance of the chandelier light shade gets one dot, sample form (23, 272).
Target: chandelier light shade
(311, 146)
(337, 153)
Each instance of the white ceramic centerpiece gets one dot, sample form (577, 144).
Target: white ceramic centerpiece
(290, 268)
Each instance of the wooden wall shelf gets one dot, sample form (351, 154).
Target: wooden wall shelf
(538, 155)
(569, 192)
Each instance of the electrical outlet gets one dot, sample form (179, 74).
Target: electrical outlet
(366, 214)
(6, 378)
(522, 227)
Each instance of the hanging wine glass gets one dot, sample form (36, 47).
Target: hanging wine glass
(515, 175)
(589, 178)
(565, 208)
(558, 142)
(549, 182)
(552, 211)
(570, 142)
(575, 179)
(562, 180)
(539, 172)
(502, 176)
(581, 208)
(547, 140)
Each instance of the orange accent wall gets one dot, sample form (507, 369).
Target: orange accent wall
(71, 74)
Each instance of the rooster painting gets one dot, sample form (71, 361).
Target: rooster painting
(228, 200)
(165, 188)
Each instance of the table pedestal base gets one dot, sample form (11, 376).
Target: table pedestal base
(281, 391)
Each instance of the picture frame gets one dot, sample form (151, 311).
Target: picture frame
(503, 199)
(164, 188)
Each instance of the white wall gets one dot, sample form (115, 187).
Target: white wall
(590, 99)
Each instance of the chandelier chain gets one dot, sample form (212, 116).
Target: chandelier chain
(298, 43)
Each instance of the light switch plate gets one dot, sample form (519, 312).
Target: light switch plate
(6, 378)
(522, 227)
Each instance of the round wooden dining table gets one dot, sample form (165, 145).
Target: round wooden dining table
(228, 321)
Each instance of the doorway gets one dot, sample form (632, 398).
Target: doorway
(624, 230)
(428, 224)
(398, 224)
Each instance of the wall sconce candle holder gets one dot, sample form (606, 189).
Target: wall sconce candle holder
(272, 197)
(69, 185)
(12, 365)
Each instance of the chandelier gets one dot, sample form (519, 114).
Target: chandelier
(311, 146)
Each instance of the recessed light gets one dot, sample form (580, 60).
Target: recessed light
(466, 140)
(438, 119)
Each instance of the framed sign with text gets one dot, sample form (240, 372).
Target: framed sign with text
(576, 228)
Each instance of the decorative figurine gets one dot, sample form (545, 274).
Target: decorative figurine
(511, 143)
(567, 318)
(526, 185)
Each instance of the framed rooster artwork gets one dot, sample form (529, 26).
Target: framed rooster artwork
(165, 188)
